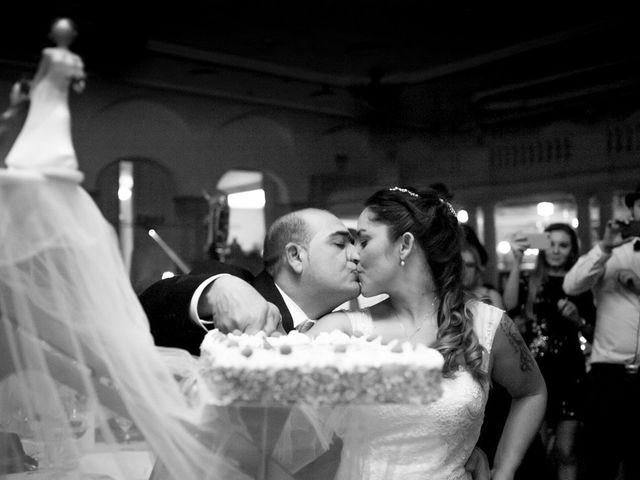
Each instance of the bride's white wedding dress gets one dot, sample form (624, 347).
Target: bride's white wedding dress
(408, 442)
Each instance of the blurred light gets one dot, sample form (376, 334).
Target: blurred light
(152, 233)
(125, 180)
(545, 209)
(463, 216)
(168, 275)
(575, 223)
(124, 193)
(531, 251)
(503, 247)
(248, 199)
(583, 342)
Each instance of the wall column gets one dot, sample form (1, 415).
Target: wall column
(584, 222)
(489, 235)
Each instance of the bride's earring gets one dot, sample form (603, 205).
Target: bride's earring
(401, 262)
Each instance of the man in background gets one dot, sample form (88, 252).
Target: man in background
(612, 417)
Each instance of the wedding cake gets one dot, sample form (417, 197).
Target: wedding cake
(331, 369)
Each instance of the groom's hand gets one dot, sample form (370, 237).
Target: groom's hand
(236, 305)
(478, 465)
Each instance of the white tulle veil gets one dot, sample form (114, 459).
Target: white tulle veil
(73, 337)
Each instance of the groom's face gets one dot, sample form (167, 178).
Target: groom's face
(330, 269)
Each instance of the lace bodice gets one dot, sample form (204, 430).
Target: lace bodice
(418, 442)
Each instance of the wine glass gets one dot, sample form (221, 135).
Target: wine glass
(125, 426)
(78, 420)
(77, 412)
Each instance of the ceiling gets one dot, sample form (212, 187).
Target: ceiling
(437, 67)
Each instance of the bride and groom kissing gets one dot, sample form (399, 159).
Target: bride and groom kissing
(408, 247)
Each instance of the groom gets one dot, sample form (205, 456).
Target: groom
(309, 271)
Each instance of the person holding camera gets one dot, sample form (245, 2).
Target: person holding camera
(553, 323)
(611, 269)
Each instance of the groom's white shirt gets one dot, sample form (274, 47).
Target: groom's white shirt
(297, 315)
(296, 312)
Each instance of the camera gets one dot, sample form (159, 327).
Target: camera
(630, 228)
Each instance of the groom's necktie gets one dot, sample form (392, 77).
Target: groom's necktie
(305, 325)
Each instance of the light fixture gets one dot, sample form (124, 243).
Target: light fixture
(545, 209)
(124, 193)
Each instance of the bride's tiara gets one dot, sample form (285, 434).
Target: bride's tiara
(450, 207)
(404, 190)
(414, 194)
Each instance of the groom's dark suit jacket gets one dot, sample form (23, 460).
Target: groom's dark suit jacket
(166, 304)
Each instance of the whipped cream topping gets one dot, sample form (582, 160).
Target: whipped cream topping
(329, 349)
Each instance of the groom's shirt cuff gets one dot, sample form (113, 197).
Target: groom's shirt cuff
(193, 306)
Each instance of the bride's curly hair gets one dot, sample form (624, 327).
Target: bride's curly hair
(434, 224)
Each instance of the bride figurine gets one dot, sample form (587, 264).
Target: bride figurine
(48, 122)
(76, 353)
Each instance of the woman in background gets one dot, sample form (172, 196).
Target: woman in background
(473, 278)
(554, 324)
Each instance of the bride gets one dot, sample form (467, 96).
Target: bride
(409, 248)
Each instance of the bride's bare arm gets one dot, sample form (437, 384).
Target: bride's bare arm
(514, 368)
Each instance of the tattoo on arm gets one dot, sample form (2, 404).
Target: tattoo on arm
(516, 341)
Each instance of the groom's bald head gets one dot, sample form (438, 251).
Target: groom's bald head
(292, 227)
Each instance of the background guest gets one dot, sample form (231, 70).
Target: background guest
(612, 417)
(473, 277)
(553, 325)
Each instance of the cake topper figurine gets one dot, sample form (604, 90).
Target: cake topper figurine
(48, 121)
